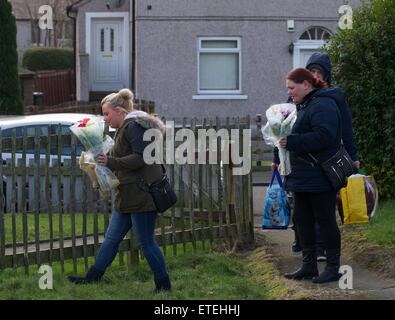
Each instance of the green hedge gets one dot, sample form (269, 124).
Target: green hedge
(10, 94)
(44, 58)
(364, 66)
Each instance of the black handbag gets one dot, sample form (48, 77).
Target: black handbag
(161, 191)
(337, 168)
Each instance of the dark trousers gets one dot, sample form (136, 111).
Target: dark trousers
(311, 208)
(318, 241)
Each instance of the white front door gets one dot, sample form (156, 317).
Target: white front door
(303, 50)
(107, 69)
(305, 55)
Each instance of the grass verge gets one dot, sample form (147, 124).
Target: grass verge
(213, 275)
(373, 244)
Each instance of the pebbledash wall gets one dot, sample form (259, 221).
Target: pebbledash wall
(167, 33)
(167, 37)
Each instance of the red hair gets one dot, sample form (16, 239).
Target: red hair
(301, 74)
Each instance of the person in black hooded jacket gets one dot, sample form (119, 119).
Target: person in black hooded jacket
(320, 65)
(317, 131)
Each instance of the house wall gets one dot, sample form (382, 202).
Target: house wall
(167, 49)
(82, 57)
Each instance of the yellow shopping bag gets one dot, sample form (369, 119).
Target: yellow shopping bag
(353, 199)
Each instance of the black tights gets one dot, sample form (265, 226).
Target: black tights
(317, 207)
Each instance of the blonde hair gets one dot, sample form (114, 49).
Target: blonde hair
(123, 99)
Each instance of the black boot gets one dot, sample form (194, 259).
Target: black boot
(93, 275)
(309, 268)
(162, 284)
(331, 272)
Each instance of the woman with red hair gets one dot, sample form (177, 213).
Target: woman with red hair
(317, 132)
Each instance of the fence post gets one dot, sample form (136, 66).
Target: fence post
(13, 199)
(47, 194)
(250, 192)
(191, 192)
(173, 210)
(229, 192)
(84, 219)
(200, 186)
(221, 171)
(73, 200)
(60, 197)
(182, 201)
(2, 204)
(210, 194)
(37, 194)
(161, 218)
(236, 199)
(133, 252)
(22, 203)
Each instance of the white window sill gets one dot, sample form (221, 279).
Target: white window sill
(220, 97)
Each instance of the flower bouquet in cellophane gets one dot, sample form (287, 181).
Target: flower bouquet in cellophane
(280, 120)
(89, 132)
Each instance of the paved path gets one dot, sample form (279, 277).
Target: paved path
(367, 285)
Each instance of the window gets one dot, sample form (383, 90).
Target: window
(219, 66)
(102, 40)
(311, 41)
(112, 40)
(316, 33)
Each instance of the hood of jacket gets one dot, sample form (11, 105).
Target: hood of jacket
(322, 60)
(335, 93)
(146, 120)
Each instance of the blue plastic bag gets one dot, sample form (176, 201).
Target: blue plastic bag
(276, 212)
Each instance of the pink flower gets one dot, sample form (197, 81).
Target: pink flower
(285, 113)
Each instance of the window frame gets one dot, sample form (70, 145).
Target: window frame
(219, 50)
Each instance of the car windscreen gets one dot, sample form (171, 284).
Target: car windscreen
(31, 132)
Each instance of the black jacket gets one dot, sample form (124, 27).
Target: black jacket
(348, 138)
(347, 132)
(317, 130)
(340, 97)
(341, 100)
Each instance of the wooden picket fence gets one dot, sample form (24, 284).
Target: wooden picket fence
(51, 213)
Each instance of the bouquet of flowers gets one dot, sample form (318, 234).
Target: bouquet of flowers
(89, 132)
(281, 118)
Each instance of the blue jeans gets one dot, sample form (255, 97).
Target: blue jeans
(143, 225)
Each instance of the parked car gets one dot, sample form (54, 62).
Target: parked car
(44, 122)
